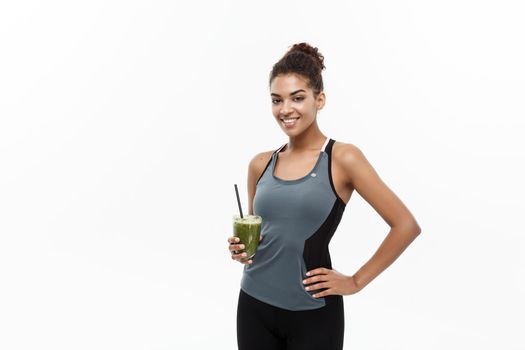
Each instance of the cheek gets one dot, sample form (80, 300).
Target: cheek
(305, 108)
(306, 112)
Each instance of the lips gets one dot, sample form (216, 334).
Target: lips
(289, 122)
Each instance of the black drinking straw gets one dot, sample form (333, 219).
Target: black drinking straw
(238, 200)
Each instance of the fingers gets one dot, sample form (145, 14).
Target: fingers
(236, 249)
(323, 293)
(318, 271)
(233, 239)
(239, 256)
(317, 286)
(235, 245)
(317, 278)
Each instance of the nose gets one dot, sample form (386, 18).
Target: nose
(285, 110)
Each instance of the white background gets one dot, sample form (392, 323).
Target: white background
(124, 125)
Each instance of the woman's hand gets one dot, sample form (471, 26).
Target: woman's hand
(234, 246)
(336, 282)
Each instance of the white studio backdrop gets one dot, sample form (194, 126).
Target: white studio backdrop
(125, 124)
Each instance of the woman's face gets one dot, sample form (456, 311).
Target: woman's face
(293, 103)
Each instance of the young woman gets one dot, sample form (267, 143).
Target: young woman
(290, 296)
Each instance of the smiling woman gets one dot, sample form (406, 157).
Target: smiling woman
(296, 84)
(289, 121)
(291, 297)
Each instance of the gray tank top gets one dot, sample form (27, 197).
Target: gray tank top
(299, 218)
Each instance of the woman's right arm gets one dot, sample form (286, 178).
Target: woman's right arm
(255, 170)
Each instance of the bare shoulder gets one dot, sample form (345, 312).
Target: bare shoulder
(259, 162)
(346, 152)
(348, 157)
(255, 169)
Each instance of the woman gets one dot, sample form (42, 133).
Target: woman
(291, 297)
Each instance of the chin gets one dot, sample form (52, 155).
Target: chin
(293, 132)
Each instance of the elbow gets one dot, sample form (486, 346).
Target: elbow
(415, 229)
(411, 228)
(408, 226)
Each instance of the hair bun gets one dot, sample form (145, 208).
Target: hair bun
(309, 50)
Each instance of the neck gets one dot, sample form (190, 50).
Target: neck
(310, 139)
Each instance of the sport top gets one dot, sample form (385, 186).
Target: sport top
(299, 217)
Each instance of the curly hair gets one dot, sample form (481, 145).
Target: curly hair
(304, 60)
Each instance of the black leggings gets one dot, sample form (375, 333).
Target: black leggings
(267, 327)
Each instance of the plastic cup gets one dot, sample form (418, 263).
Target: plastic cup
(248, 229)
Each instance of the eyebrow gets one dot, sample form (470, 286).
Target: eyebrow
(293, 93)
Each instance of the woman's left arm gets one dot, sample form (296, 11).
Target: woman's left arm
(403, 226)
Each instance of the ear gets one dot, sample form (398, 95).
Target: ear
(321, 100)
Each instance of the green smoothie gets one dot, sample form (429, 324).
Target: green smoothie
(248, 229)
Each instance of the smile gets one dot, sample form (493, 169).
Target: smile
(289, 121)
